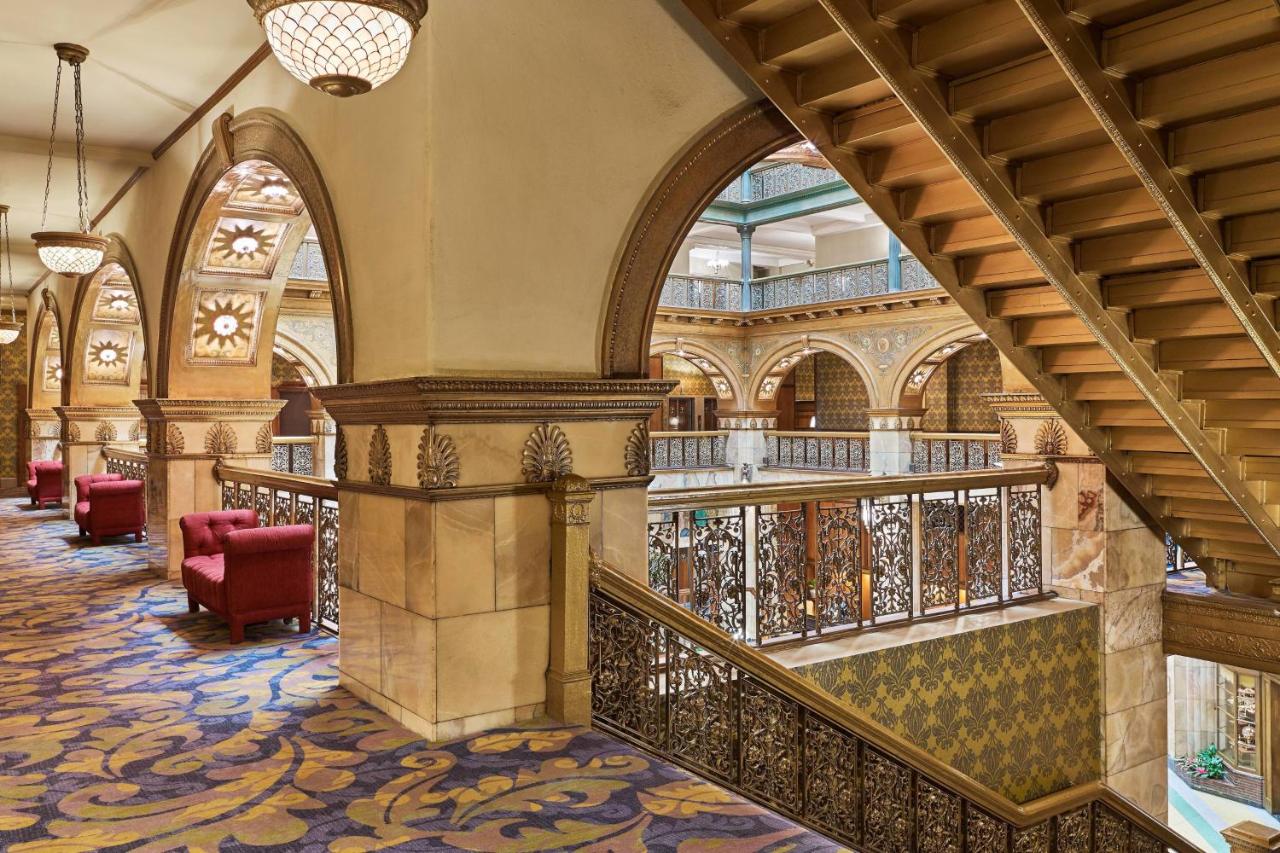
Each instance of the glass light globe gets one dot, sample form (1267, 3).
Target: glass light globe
(70, 253)
(9, 332)
(341, 47)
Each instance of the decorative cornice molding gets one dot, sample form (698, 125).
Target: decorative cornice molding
(94, 413)
(1224, 628)
(431, 400)
(210, 411)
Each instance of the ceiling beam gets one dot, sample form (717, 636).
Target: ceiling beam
(1143, 148)
(67, 150)
(926, 101)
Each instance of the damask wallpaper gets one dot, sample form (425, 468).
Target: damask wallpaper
(804, 381)
(936, 417)
(1014, 706)
(840, 395)
(13, 381)
(972, 372)
(693, 382)
(284, 373)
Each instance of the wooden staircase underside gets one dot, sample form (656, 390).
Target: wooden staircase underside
(1097, 183)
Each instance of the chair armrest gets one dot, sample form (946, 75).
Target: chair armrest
(268, 566)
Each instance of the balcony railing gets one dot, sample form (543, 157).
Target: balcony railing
(785, 562)
(782, 179)
(293, 499)
(708, 294)
(847, 452)
(130, 464)
(681, 451)
(675, 686)
(852, 281)
(940, 452)
(308, 264)
(293, 454)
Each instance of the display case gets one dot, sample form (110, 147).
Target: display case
(1238, 718)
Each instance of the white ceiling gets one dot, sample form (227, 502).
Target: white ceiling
(791, 241)
(151, 63)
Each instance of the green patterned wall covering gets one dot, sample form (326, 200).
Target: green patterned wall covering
(13, 382)
(1014, 706)
(840, 395)
(972, 372)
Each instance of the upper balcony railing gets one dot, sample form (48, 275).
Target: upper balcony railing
(785, 562)
(681, 451)
(292, 454)
(841, 452)
(131, 464)
(781, 179)
(308, 264)
(709, 294)
(941, 452)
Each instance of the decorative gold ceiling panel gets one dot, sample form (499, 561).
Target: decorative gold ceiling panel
(52, 373)
(225, 325)
(265, 189)
(244, 247)
(116, 303)
(107, 360)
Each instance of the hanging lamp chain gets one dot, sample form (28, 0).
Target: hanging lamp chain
(82, 166)
(8, 258)
(53, 130)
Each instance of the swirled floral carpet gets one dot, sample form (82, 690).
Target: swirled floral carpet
(128, 724)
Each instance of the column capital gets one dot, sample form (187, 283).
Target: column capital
(746, 419)
(895, 418)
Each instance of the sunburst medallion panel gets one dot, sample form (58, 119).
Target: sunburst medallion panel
(107, 358)
(264, 188)
(52, 373)
(225, 326)
(116, 303)
(244, 247)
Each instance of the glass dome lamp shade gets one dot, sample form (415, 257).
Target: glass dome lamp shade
(9, 332)
(70, 253)
(341, 47)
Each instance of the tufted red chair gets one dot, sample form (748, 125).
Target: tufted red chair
(114, 508)
(245, 573)
(44, 483)
(83, 482)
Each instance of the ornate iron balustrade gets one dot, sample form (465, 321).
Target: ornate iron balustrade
(670, 683)
(710, 294)
(130, 464)
(293, 455)
(915, 276)
(940, 452)
(848, 452)
(792, 562)
(681, 451)
(824, 285)
(293, 499)
(308, 263)
(781, 179)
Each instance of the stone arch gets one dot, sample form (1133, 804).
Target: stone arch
(249, 203)
(915, 370)
(48, 355)
(782, 359)
(695, 176)
(713, 365)
(108, 315)
(316, 370)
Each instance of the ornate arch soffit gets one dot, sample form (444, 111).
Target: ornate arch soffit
(918, 368)
(257, 134)
(117, 254)
(693, 178)
(295, 350)
(709, 362)
(49, 310)
(782, 359)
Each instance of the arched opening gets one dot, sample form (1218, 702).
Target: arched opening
(44, 383)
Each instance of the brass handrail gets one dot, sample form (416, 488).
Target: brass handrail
(293, 439)
(124, 455)
(956, 436)
(757, 494)
(815, 433)
(316, 487)
(700, 433)
(764, 669)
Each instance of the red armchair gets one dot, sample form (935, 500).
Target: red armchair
(44, 483)
(245, 573)
(109, 505)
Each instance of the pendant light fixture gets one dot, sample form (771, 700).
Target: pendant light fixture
(70, 253)
(10, 328)
(341, 47)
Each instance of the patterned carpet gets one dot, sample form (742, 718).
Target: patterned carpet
(128, 724)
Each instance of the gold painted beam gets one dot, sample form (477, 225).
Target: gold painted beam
(922, 96)
(1141, 146)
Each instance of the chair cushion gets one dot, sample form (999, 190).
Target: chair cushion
(203, 578)
(202, 532)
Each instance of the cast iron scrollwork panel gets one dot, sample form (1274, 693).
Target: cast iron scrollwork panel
(983, 533)
(1025, 570)
(890, 556)
(719, 571)
(282, 508)
(839, 565)
(780, 573)
(228, 496)
(702, 721)
(623, 651)
(662, 557)
(985, 834)
(937, 819)
(327, 565)
(886, 797)
(770, 742)
(1073, 831)
(304, 511)
(1111, 830)
(831, 791)
(1034, 839)
(940, 553)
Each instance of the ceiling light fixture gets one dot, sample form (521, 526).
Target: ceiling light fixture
(11, 328)
(341, 47)
(70, 253)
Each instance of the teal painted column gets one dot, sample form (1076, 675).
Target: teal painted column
(745, 232)
(895, 263)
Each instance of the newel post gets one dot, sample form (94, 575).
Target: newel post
(1251, 837)
(568, 675)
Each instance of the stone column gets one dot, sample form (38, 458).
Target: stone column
(744, 233)
(746, 444)
(44, 435)
(1098, 549)
(568, 676)
(891, 439)
(1252, 837)
(325, 433)
(185, 439)
(446, 543)
(86, 430)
